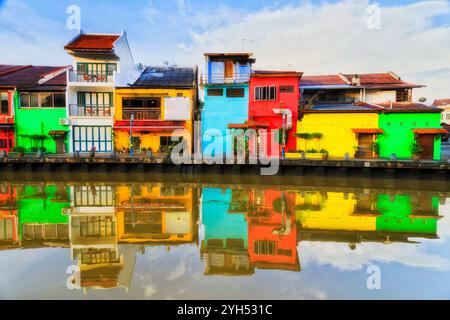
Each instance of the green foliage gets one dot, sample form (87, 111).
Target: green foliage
(323, 151)
(416, 149)
(314, 151)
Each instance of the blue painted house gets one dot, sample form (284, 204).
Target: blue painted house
(226, 89)
(225, 244)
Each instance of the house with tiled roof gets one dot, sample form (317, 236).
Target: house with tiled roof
(33, 105)
(101, 62)
(368, 131)
(354, 88)
(444, 104)
(159, 104)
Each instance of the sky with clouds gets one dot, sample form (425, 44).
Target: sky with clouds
(316, 37)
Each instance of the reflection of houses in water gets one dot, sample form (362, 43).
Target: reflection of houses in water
(42, 221)
(156, 214)
(93, 238)
(366, 216)
(225, 245)
(9, 235)
(272, 230)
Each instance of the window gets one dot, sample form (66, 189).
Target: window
(447, 116)
(235, 93)
(402, 95)
(42, 100)
(266, 93)
(87, 137)
(4, 107)
(286, 89)
(264, 248)
(215, 92)
(4, 144)
(257, 93)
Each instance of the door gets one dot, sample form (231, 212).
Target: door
(229, 69)
(426, 141)
(365, 142)
(136, 143)
(60, 145)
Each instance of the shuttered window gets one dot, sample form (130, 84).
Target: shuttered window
(215, 92)
(235, 93)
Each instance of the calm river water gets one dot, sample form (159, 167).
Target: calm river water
(215, 239)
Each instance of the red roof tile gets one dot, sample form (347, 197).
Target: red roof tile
(264, 74)
(408, 107)
(6, 68)
(430, 131)
(369, 131)
(322, 80)
(95, 42)
(28, 78)
(441, 102)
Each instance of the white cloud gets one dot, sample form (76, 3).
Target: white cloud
(333, 37)
(30, 38)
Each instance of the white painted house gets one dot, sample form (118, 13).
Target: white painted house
(101, 62)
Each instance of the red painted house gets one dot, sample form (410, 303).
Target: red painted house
(273, 105)
(272, 230)
(8, 215)
(7, 110)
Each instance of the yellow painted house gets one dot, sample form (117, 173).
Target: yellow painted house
(338, 130)
(155, 214)
(159, 105)
(334, 211)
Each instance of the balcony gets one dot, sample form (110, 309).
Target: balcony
(77, 110)
(92, 77)
(221, 78)
(141, 114)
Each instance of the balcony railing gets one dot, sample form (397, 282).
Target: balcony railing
(139, 114)
(80, 110)
(91, 77)
(220, 78)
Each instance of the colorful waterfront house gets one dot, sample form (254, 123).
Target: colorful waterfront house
(322, 212)
(273, 106)
(226, 98)
(156, 214)
(443, 104)
(42, 216)
(339, 130)
(39, 108)
(7, 127)
(410, 130)
(162, 103)
(354, 88)
(101, 62)
(413, 215)
(9, 231)
(272, 230)
(225, 245)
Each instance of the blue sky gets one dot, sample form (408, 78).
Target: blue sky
(309, 36)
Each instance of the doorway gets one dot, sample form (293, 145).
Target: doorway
(60, 145)
(229, 69)
(137, 144)
(365, 142)
(426, 141)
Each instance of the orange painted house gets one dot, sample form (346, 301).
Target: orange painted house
(272, 231)
(8, 215)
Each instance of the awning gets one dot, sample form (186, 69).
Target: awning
(430, 131)
(7, 126)
(368, 130)
(57, 133)
(238, 126)
(149, 129)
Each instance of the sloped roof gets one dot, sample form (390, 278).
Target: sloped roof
(368, 107)
(266, 73)
(369, 80)
(93, 42)
(441, 102)
(167, 77)
(7, 68)
(409, 107)
(28, 77)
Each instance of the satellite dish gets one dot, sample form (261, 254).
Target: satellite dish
(423, 99)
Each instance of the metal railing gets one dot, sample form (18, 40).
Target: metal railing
(81, 110)
(91, 77)
(139, 114)
(221, 78)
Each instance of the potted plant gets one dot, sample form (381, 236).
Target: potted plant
(92, 153)
(20, 151)
(416, 150)
(375, 148)
(324, 154)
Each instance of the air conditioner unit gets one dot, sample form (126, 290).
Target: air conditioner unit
(64, 122)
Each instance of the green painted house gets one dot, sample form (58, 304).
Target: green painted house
(407, 214)
(39, 108)
(41, 213)
(410, 129)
